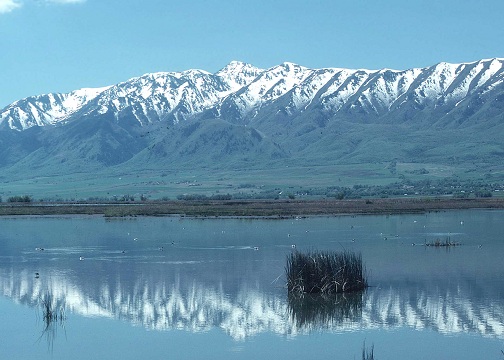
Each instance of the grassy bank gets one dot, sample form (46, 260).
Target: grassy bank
(252, 208)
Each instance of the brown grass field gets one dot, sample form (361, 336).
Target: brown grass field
(253, 208)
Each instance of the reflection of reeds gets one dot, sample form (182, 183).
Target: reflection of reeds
(367, 354)
(53, 314)
(321, 311)
(325, 272)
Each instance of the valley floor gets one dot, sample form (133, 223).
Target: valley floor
(252, 208)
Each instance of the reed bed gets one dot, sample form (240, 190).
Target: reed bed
(440, 243)
(325, 272)
(250, 208)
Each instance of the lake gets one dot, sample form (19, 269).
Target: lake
(186, 288)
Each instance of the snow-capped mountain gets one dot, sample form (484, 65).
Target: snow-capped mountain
(239, 91)
(442, 114)
(148, 98)
(47, 109)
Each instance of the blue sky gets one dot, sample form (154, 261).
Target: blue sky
(63, 45)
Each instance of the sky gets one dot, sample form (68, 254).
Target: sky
(63, 45)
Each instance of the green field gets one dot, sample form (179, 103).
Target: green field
(284, 179)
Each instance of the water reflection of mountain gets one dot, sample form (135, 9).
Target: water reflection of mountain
(196, 307)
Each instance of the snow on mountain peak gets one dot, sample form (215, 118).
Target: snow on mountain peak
(77, 98)
(238, 74)
(246, 88)
(46, 109)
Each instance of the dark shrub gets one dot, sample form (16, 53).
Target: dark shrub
(25, 198)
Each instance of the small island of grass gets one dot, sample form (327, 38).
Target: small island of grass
(442, 243)
(323, 272)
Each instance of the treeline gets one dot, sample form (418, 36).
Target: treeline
(204, 197)
(19, 199)
(443, 187)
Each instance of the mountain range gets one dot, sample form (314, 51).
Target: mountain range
(243, 116)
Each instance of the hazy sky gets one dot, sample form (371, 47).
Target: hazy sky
(63, 45)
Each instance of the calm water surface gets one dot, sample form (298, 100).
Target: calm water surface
(159, 288)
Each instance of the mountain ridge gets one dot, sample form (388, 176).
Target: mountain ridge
(243, 117)
(244, 87)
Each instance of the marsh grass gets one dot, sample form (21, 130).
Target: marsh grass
(324, 272)
(440, 243)
(248, 208)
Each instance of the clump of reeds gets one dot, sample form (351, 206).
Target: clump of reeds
(325, 272)
(440, 243)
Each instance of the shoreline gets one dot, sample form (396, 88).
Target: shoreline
(253, 208)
